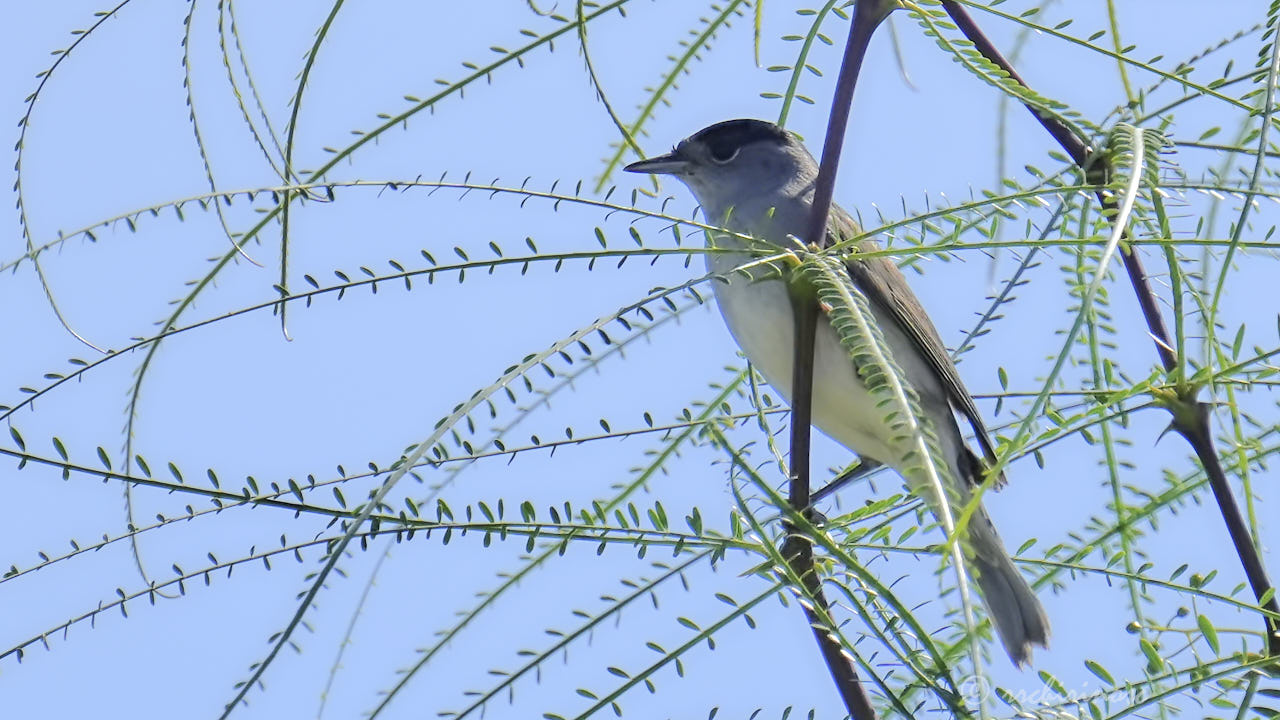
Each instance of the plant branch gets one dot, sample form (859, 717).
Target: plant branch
(1190, 416)
(798, 551)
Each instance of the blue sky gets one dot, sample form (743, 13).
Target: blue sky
(366, 376)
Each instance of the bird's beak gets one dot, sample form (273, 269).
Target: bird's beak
(673, 163)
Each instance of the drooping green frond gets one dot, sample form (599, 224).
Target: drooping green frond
(586, 477)
(922, 461)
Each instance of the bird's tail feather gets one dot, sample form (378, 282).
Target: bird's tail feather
(1019, 619)
(1016, 613)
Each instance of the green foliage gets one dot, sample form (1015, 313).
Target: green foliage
(688, 576)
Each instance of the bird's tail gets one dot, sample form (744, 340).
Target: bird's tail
(1015, 611)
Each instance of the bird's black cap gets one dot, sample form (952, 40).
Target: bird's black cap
(722, 141)
(725, 137)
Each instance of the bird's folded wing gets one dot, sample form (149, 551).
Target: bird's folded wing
(890, 295)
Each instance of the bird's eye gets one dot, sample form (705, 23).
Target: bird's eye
(723, 154)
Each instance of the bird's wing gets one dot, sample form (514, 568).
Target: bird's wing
(887, 291)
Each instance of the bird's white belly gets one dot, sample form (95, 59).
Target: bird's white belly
(759, 316)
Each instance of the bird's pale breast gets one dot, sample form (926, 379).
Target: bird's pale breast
(758, 314)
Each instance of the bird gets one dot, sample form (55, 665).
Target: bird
(757, 179)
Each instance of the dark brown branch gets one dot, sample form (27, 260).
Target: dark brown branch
(804, 304)
(1191, 417)
(1096, 170)
(797, 550)
(1196, 430)
(799, 554)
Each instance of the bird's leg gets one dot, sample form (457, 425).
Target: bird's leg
(864, 466)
